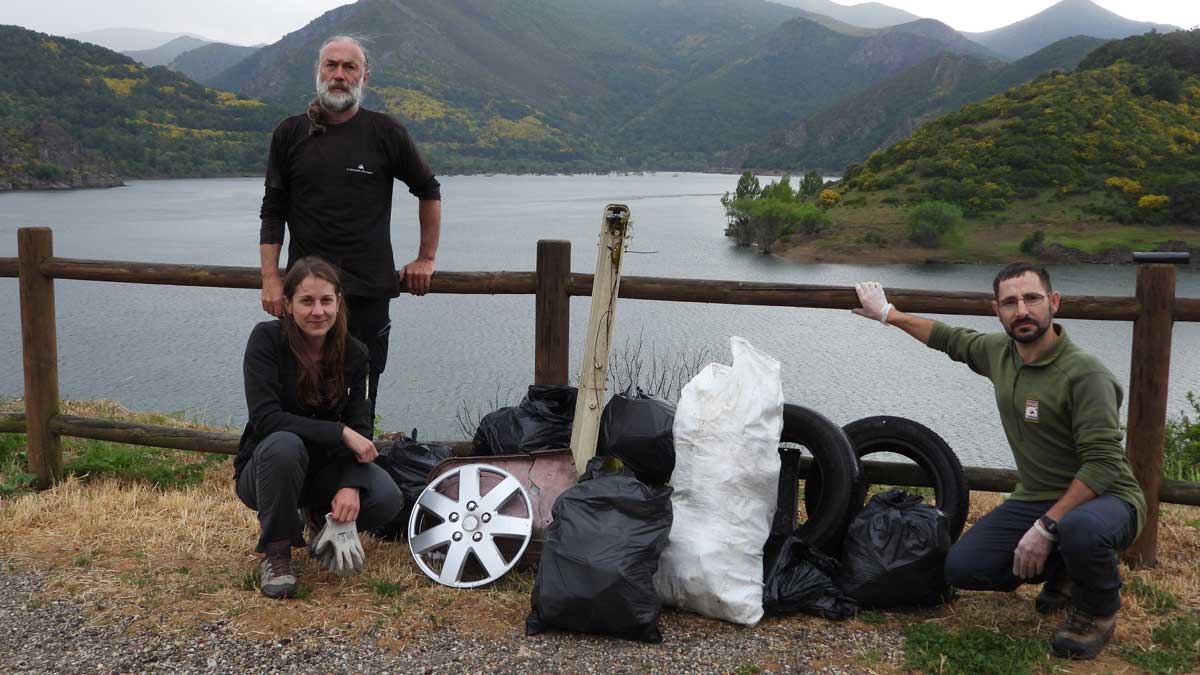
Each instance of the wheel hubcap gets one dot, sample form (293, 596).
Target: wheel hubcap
(482, 501)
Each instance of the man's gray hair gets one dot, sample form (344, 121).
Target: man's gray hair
(344, 38)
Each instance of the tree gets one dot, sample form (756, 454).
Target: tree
(811, 185)
(737, 224)
(781, 191)
(931, 223)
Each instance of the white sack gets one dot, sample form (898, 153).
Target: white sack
(726, 479)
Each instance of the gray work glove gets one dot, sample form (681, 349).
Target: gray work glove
(338, 549)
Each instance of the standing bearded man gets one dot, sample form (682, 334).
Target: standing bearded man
(329, 179)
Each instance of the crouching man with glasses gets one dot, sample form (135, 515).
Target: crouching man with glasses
(1076, 503)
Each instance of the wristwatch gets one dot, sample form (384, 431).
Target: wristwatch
(1050, 524)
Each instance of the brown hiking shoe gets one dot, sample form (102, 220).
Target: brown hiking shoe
(1083, 636)
(1055, 595)
(276, 577)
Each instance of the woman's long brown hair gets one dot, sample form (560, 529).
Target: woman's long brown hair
(320, 383)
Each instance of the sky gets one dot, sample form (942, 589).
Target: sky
(266, 21)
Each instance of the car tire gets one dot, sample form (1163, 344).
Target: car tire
(919, 443)
(840, 474)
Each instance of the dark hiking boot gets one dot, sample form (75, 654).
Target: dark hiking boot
(312, 529)
(277, 579)
(1083, 636)
(1055, 595)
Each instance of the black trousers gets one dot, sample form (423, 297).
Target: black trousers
(368, 320)
(1089, 537)
(276, 482)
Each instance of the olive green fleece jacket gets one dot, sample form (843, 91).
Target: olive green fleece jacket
(1060, 414)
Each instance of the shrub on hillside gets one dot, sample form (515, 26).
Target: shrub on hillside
(1185, 202)
(51, 173)
(1031, 243)
(1181, 451)
(932, 223)
(830, 198)
(1153, 202)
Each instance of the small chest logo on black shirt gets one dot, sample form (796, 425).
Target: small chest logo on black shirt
(360, 169)
(1031, 410)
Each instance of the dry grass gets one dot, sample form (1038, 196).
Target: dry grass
(176, 558)
(173, 559)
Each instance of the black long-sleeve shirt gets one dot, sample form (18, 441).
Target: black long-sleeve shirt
(334, 192)
(273, 400)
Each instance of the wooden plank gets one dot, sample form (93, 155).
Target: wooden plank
(844, 297)
(12, 423)
(1149, 375)
(220, 276)
(985, 479)
(593, 367)
(1187, 309)
(884, 473)
(552, 313)
(152, 435)
(1099, 308)
(39, 348)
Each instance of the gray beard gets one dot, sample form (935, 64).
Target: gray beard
(338, 101)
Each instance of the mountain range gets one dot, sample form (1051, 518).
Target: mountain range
(553, 85)
(866, 14)
(876, 117)
(1064, 19)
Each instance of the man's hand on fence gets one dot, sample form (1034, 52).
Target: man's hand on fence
(874, 302)
(272, 295)
(1032, 551)
(338, 548)
(417, 275)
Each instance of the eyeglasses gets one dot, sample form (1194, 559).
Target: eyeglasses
(1030, 299)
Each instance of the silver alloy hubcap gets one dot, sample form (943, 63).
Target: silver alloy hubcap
(480, 500)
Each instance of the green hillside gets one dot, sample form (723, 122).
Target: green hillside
(801, 67)
(146, 121)
(1091, 159)
(852, 128)
(504, 85)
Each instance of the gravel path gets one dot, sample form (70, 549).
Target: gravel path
(39, 635)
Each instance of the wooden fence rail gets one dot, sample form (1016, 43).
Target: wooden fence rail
(1153, 311)
(226, 443)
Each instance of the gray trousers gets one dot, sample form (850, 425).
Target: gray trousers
(276, 482)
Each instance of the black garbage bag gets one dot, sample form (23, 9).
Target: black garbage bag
(408, 463)
(542, 420)
(799, 579)
(894, 553)
(636, 429)
(599, 556)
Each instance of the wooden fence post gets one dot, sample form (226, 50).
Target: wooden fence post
(552, 312)
(1149, 374)
(39, 345)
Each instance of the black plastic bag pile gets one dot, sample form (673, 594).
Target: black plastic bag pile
(636, 429)
(409, 464)
(800, 579)
(599, 556)
(541, 421)
(894, 553)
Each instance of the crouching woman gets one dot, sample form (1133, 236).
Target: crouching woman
(307, 443)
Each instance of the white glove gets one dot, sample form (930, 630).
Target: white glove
(338, 548)
(1032, 551)
(874, 302)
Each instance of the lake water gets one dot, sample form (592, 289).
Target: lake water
(180, 349)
